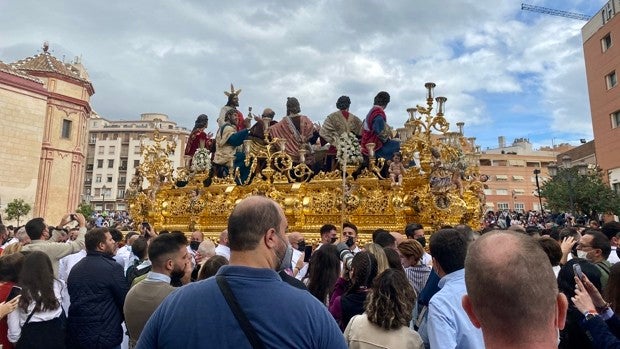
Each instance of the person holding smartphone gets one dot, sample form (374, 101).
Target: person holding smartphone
(39, 233)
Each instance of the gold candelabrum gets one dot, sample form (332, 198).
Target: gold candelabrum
(441, 184)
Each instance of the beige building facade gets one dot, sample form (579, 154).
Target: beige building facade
(114, 153)
(511, 172)
(44, 108)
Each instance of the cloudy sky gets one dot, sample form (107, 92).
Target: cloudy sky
(504, 71)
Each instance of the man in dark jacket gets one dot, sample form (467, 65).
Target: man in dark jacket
(97, 289)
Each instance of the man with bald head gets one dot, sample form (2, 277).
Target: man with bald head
(222, 248)
(257, 238)
(298, 243)
(509, 296)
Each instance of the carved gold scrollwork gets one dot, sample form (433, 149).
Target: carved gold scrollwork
(440, 186)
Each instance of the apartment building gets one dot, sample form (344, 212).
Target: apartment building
(601, 48)
(114, 153)
(512, 171)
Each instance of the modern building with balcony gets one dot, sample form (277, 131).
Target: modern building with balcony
(114, 152)
(513, 172)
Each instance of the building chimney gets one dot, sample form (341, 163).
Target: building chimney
(502, 141)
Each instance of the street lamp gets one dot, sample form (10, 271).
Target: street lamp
(536, 173)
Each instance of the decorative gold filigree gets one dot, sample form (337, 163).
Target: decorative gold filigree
(442, 187)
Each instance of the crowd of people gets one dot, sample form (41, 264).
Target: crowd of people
(260, 286)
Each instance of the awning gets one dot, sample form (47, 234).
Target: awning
(501, 177)
(518, 178)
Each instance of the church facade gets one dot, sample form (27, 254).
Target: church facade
(44, 110)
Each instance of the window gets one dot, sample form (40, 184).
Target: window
(501, 192)
(111, 150)
(121, 193)
(98, 179)
(136, 163)
(99, 163)
(518, 178)
(612, 79)
(519, 207)
(100, 150)
(109, 179)
(122, 180)
(93, 139)
(110, 163)
(136, 150)
(616, 187)
(501, 177)
(488, 192)
(66, 128)
(615, 119)
(502, 205)
(606, 42)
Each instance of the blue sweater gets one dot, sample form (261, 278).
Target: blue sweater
(197, 315)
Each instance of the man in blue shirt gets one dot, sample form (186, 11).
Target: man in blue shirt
(448, 324)
(198, 315)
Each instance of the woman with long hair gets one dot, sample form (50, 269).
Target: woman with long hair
(411, 253)
(323, 272)
(345, 302)
(379, 253)
(38, 321)
(388, 311)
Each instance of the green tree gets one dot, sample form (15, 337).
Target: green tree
(17, 209)
(588, 193)
(86, 210)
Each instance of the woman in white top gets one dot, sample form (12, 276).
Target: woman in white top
(38, 321)
(385, 321)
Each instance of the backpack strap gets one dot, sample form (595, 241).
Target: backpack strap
(246, 326)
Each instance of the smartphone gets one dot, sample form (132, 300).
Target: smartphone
(577, 271)
(73, 217)
(146, 225)
(307, 253)
(15, 291)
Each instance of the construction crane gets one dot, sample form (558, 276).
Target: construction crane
(553, 12)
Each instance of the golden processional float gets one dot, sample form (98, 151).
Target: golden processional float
(442, 186)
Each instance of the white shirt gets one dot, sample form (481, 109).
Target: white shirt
(613, 256)
(17, 318)
(302, 272)
(223, 250)
(65, 264)
(427, 259)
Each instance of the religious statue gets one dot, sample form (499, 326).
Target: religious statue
(296, 129)
(338, 123)
(232, 104)
(198, 139)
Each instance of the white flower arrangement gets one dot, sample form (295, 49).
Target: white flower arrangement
(201, 162)
(348, 146)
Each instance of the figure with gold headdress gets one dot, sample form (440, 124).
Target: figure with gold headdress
(232, 104)
(298, 131)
